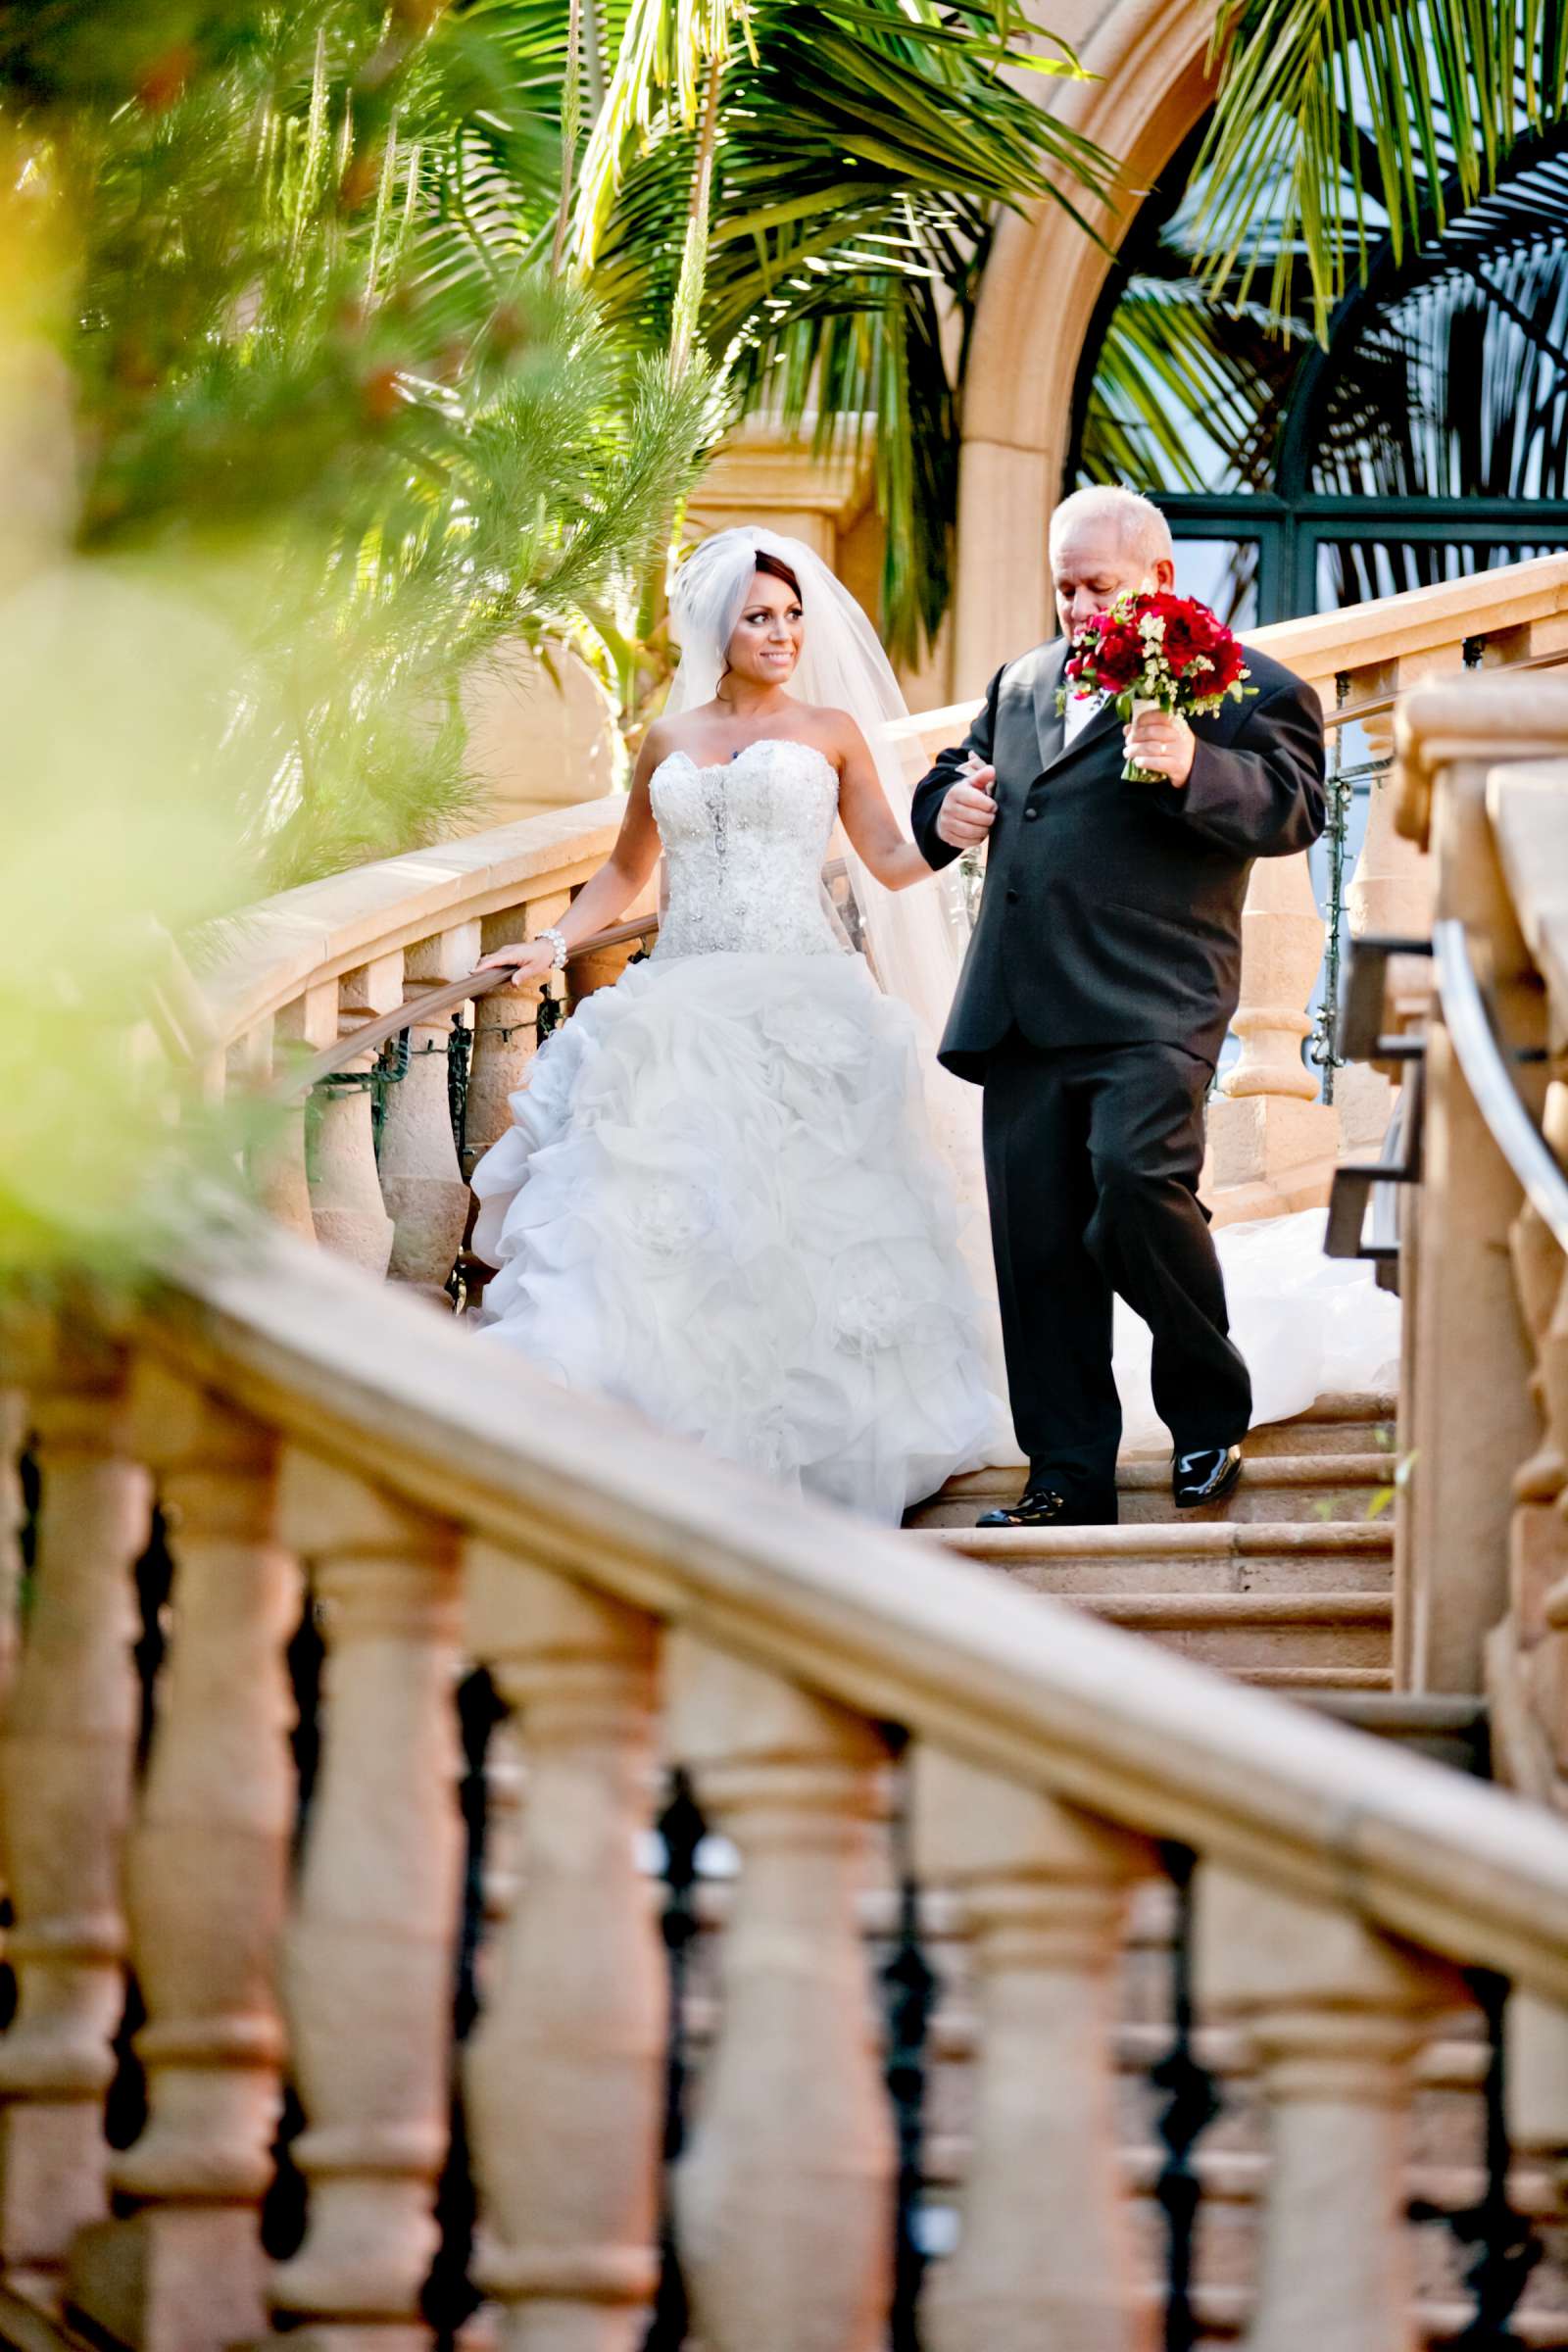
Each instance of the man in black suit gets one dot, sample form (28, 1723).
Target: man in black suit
(1098, 989)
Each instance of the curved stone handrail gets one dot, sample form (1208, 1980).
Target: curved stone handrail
(1022, 1686)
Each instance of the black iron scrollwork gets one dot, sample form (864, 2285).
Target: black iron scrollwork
(548, 1017)
(910, 1988)
(1505, 2247)
(681, 1830)
(1192, 2103)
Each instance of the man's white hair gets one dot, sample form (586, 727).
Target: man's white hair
(1141, 528)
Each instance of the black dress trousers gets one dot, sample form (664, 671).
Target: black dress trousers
(1093, 1154)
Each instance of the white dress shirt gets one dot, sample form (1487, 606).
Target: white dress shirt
(1081, 709)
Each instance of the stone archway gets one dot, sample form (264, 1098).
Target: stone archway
(1037, 300)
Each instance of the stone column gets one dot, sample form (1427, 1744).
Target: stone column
(1336, 2013)
(1536, 2077)
(784, 2202)
(307, 1025)
(65, 1797)
(346, 1201)
(1269, 1139)
(207, 1878)
(504, 1035)
(565, 2073)
(1390, 893)
(369, 1953)
(422, 1183)
(1045, 2253)
(599, 970)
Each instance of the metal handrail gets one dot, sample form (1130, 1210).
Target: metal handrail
(416, 1011)
(1486, 1072)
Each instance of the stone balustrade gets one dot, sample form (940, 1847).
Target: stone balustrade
(1476, 1267)
(315, 1440)
(1484, 788)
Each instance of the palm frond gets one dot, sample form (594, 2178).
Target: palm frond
(1185, 393)
(1341, 122)
(863, 149)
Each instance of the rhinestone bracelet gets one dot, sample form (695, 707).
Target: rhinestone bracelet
(558, 947)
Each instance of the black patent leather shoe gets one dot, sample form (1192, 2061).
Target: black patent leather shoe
(1206, 1475)
(1049, 1506)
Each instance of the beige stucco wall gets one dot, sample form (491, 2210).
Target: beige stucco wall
(537, 742)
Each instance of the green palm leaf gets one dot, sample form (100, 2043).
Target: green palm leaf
(1339, 121)
(865, 148)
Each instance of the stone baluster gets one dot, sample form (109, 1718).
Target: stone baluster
(602, 969)
(346, 1196)
(1267, 1132)
(1537, 1535)
(208, 1864)
(249, 1060)
(1336, 2012)
(784, 2199)
(65, 1797)
(282, 1185)
(422, 1183)
(13, 1517)
(1536, 2081)
(565, 2073)
(1390, 893)
(1045, 2254)
(504, 1035)
(369, 1953)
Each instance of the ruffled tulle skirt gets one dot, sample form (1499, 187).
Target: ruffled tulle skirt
(718, 1205)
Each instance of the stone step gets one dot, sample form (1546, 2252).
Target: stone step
(1274, 1486)
(1339, 1424)
(1293, 1603)
(1294, 1556)
(1261, 1633)
(1449, 1731)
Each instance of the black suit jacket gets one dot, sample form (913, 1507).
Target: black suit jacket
(1113, 911)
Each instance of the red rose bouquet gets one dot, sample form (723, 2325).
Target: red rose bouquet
(1161, 653)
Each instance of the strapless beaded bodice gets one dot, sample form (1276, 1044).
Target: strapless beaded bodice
(744, 846)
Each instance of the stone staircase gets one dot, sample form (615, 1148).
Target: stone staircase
(1289, 1583)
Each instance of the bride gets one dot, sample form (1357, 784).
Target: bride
(740, 1195)
(720, 1201)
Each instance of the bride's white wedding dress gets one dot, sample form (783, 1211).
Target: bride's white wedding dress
(719, 1203)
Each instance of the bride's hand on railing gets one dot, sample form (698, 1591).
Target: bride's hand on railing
(529, 960)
